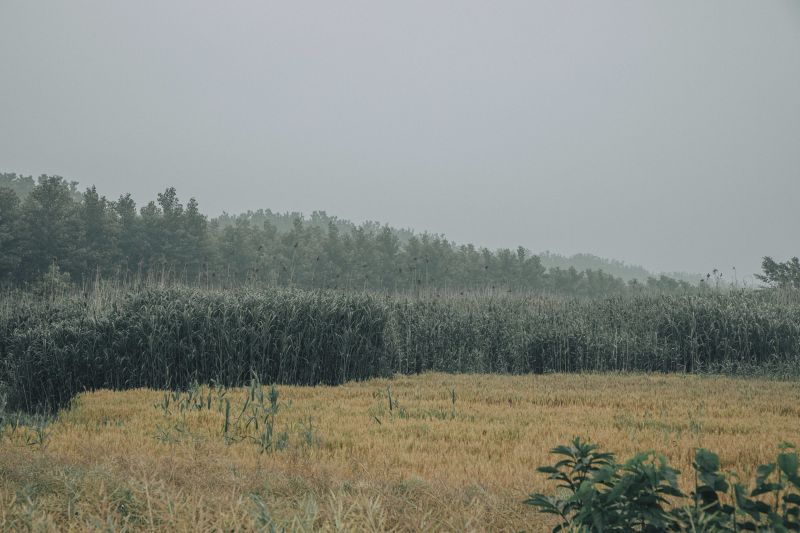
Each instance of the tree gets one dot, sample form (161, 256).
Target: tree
(239, 244)
(152, 239)
(9, 233)
(332, 257)
(99, 225)
(192, 248)
(170, 226)
(49, 220)
(50, 228)
(21, 185)
(129, 239)
(784, 275)
(388, 246)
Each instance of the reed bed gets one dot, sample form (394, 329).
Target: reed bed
(55, 346)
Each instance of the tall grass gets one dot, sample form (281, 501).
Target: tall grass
(716, 331)
(54, 347)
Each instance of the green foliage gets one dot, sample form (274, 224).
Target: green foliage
(53, 283)
(60, 342)
(49, 228)
(783, 275)
(53, 349)
(21, 186)
(89, 237)
(598, 494)
(9, 234)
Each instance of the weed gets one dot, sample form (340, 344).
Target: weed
(642, 494)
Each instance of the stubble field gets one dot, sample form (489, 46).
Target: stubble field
(447, 452)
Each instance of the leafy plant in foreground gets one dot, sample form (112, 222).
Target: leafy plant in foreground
(642, 494)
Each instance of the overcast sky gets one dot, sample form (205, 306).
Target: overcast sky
(665, 134)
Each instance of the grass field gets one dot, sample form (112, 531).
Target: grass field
(454, 452)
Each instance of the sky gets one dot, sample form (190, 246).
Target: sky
(664, 134)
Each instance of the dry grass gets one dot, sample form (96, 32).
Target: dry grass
(116, 461)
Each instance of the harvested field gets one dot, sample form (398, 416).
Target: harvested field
(338, 458)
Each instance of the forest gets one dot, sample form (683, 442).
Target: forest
(48, 223)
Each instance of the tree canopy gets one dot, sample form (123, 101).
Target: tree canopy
(784, 275)
(47, 221)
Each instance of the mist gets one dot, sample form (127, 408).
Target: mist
(662, 134)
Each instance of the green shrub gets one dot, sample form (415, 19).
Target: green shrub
(598, 494)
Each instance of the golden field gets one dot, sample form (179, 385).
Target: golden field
(119, 461)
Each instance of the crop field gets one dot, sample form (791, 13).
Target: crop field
(184, 408)
(52, 348)
(428, 452)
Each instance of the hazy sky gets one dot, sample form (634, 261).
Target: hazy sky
(664, 133)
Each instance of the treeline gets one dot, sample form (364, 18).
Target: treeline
(47, 222)
(615, 267)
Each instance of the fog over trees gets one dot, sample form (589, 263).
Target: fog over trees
(48, 222)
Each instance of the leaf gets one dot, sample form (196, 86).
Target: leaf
(788, 464)
(603, 475)
(765, 488)
(706, 461)
(715, 482)
(763, 472)
(618, 489)
(586, 492)
(569, 451)
(672, 491)
(598, 520)
(792, 498)
(545, 504)
(547, 470)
